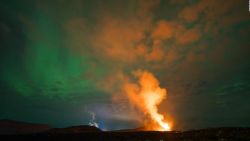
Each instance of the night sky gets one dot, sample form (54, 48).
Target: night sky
(63, 62)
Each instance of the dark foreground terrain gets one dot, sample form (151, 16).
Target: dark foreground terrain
(218, 134)
(88, 133)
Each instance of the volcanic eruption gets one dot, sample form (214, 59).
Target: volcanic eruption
(146, 95)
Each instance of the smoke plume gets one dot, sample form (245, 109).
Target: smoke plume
(92, 121)
(146, 95)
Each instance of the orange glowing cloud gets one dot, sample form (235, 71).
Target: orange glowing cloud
(157, 52)
(163, 30)
(189, 36)
(116, 39)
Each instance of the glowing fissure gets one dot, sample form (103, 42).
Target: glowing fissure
(146, 96)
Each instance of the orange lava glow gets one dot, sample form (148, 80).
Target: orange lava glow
(146, 96)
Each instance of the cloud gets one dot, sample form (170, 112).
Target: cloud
(163, 30)
(157, 52)
(171, 57)
(214, 13)
(189, 36)
(116, 38)
(189, 14)
(125, 40)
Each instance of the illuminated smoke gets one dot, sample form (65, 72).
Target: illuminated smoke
(92, 121)
(146, 95)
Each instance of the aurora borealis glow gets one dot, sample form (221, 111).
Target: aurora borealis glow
(64, 59)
